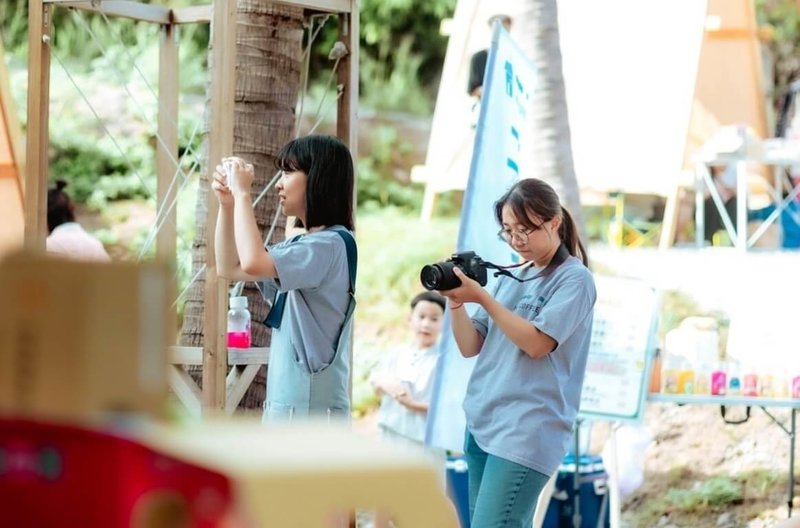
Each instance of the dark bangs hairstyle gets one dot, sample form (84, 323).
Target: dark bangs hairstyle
(328, 165)
(60, 208)
(533, 197)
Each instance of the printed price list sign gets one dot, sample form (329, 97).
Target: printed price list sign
(623, 336)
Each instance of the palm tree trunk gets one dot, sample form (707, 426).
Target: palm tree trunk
(268, 52)
(550, 156)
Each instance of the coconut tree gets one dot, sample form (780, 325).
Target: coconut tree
(268, 65)
(550, 157)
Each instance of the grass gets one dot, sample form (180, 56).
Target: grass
(692, 499)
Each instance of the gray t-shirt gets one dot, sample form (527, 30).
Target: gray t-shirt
(314, 272)
(523, 409)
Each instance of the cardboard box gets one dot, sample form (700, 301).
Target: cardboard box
(78, 340)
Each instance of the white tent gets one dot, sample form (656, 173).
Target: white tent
(647, 83)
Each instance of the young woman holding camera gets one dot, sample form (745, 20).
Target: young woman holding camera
(531, 338)
(309, 367)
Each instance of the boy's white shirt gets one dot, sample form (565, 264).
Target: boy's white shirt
(413, 368)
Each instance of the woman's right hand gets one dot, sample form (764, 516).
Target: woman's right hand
(219, 184)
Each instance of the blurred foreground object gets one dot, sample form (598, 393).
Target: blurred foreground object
(79, 341)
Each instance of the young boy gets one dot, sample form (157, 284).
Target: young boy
(405, 378)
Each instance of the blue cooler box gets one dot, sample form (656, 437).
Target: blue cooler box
(594, 507)
(458, 487)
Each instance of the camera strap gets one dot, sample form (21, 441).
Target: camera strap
(502, 271)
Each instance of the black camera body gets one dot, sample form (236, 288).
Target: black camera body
(440, 276)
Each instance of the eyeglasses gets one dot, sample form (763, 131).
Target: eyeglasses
(521, 236)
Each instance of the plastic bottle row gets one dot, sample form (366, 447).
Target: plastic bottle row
(727, 379)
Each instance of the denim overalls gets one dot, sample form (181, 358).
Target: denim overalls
(295, 393)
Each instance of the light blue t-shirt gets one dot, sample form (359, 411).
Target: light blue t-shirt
(313, 271)
(523, 409)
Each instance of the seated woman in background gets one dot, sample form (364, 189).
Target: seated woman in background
(66, 238)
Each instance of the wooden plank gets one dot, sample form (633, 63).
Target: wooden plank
(220, 143)
(347, 108)
(167, 145)
(185, 389)
(238, 381)
(35, 202)
(248, 356)
(327, 6)
(121, 9)
(192, 15)
(184, 355)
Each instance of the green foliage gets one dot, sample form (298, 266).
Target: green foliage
(393, 248)
(378, 185)
(401, 53)
(397, 86)
(714, 493)
(783, 19)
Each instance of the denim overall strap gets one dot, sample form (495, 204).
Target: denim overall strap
(275, 314)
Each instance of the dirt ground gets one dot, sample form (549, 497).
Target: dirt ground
(692, 444)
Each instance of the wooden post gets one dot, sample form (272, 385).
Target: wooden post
(167, 164)
(220, 143)
(347, 110)
(35, 201)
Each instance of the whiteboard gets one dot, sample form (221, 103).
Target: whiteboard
(623, 339)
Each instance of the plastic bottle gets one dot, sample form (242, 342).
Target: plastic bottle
(669, 374)
(734, 380)
(719, 381)
(702, 380)
(750, 382)
(238, 323)
(686, 378)
(796, 387)
(655, 372)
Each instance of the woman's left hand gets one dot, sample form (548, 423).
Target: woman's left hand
(241, 175)
(469, 291)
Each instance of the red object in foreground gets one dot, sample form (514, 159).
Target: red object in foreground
(65, 476)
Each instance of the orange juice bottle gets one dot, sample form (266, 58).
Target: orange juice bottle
(686, 380)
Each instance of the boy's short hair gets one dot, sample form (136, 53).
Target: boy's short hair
(430, 296)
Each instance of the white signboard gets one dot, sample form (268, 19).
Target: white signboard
(623, 338)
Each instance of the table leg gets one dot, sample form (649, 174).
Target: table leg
(791, 462)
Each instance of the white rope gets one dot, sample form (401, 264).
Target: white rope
(166, 208)
(189, 285)
(161, 215)
(82, 20)
(306, 60)
(102, 124)
(267, 188)
(319, 116)
(161, 220)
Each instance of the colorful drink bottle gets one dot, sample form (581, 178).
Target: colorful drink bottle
(238, 323)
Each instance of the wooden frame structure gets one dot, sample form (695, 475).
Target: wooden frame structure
(221, 391)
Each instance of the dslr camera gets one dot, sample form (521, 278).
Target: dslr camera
(440, 276)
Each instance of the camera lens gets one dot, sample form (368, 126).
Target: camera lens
(431, 277)
(439, 276)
